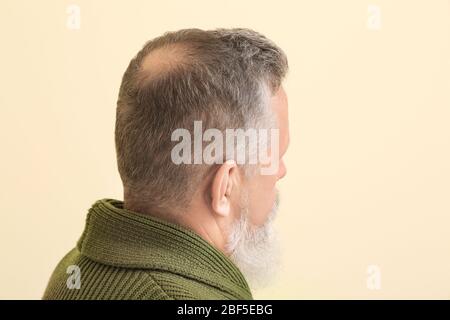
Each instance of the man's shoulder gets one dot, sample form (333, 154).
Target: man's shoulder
(76, 277)
(79, 277)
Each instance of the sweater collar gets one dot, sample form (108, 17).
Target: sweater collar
(122, 238)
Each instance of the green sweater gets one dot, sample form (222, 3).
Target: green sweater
(127, 255)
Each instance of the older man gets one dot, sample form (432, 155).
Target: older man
(188, 230)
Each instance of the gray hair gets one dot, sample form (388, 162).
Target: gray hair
(222, 77)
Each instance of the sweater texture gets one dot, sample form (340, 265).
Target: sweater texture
(127, 255)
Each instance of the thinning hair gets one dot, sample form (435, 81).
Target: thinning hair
(221, 77)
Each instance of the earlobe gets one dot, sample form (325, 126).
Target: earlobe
(221, 189)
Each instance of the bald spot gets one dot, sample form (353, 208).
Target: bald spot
(164, 59)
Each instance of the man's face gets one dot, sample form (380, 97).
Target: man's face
(252, 240)
(262, 191)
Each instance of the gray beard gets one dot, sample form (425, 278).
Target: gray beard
(255, 250)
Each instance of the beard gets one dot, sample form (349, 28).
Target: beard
(255, 249)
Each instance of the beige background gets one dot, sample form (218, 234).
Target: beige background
(368, 167)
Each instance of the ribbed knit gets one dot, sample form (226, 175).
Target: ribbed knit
(127, 255)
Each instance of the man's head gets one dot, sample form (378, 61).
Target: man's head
(224, 79)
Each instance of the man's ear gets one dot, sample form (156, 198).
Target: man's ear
(222, 185)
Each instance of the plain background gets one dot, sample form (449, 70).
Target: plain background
(368, 179)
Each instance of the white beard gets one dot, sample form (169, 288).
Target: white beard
(255, 250)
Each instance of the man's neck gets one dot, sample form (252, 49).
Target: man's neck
(194, 219)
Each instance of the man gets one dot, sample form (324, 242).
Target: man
(188, 229)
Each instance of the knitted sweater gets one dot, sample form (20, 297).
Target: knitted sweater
(127, 255)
